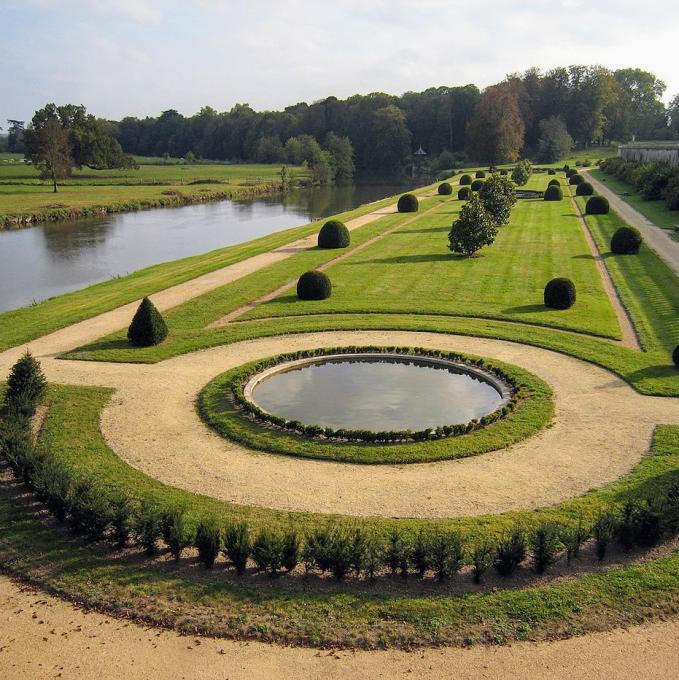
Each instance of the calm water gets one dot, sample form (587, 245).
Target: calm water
(43, 261)
(376, 394)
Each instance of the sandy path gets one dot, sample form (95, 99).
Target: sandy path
(601, 430)
(42, 637)
(629, 335)
(656, 238)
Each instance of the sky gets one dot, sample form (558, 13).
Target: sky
(140, 57)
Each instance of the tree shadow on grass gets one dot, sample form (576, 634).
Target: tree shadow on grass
(658, 371)
(410, 259)
(525, 309)
(429, 230)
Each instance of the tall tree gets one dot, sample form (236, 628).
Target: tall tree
(555, 142)
(495, 133)
(49, 150)
(15, 131)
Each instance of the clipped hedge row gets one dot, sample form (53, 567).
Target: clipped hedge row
(346, 435)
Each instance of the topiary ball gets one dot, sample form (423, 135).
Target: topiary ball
(464, 194)
(597, 205)
(576, 179)
(584, 189)
(551, 171)
(333, 234)
(626, 241)
(445, 189)
(408, 203)
(314, 285)
(465, 180)
(148, 326)
(480, 174)
(504, 172)
(560, 294)
(553, 193)
(675, 356)
(477, 184)
(571, 172)
(554, 183)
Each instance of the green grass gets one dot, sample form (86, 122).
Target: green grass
(23, 195)
(656, 211)
(25, 324)
(532, 413)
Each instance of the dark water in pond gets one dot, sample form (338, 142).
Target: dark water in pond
(376, 394)
(43, 261)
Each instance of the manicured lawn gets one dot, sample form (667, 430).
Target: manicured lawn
(656, 211)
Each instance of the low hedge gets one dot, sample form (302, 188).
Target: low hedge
(597, 205)
(408, 203)
(626, 241)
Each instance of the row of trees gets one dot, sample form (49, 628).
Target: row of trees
(530, 114)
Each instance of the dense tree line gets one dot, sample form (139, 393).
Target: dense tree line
(530, 114)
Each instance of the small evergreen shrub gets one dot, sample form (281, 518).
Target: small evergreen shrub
(148, 326)
(584, 189)
(604, 531)
(464, 194)
(480, 174)
(122, 521)
(397, 553)
(626, 241)
(553, 193)
(446, 554)
(267, 552)
(26, 385)
(148, 528)
(576, 179)
(408, 203)
(560, 294)
(317, 550)
(176, 532)
(544, 543)
(510, 552)
(359, 551)
(551, 171)
(420, 554)
(597, 205)
(445, 189)
(237, 546)
(208, 541)
(314, 285)
(570, 172)
(334, 234)
(290, 550)
(573, 538)
(465, 180)
(339, 553)
(554, 183)
(482, 560)
(89, 512)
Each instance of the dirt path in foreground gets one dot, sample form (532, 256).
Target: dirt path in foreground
(43, 637)
(656, 238)
(629, 335)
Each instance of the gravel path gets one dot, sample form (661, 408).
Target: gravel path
(42, 637)
(655, 238)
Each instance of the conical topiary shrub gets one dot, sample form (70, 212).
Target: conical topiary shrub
(148, 326)
(26, 385)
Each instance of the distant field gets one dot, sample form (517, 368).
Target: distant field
(24, 195)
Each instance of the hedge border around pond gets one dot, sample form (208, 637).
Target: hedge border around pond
(223, 407)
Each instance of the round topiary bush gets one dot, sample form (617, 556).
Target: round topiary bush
(445, 189)
(597, 205)
(551, 171)
(465, 180)
(504, 172)
(570, 172)
(314, 285)
(148, 326)
(560, 294)
(576, 179)
(675, 356)
(553, 193)
(554, 183)
(566, 167)
(477, 184)
(626, 241)
(464, 194)
(584, 189)
(408, 203)
(333, 234)
(480, 174)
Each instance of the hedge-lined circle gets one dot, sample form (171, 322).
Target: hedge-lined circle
(224, 406)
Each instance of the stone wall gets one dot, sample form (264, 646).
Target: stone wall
(668, 153)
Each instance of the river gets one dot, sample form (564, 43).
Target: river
(40, 262)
